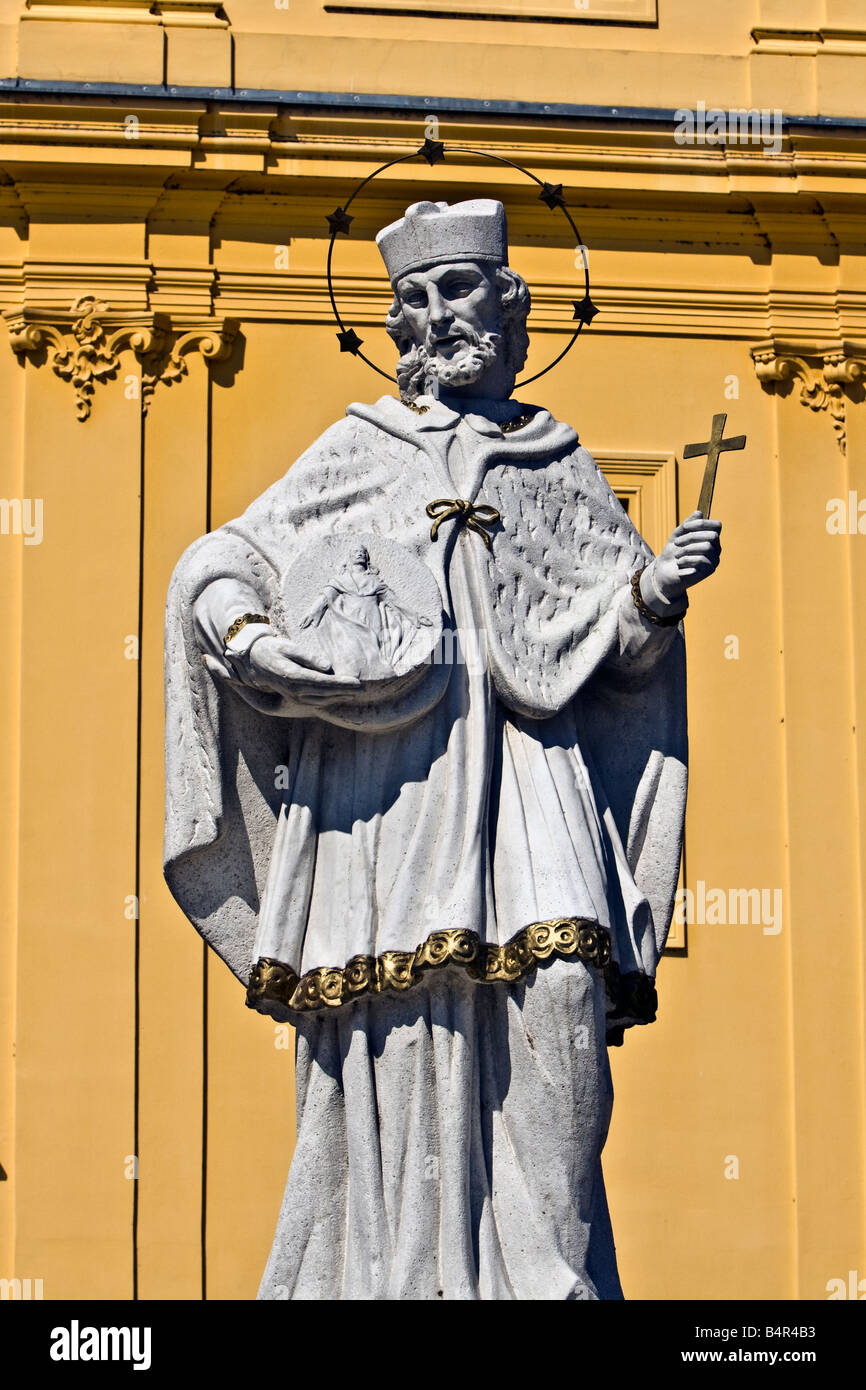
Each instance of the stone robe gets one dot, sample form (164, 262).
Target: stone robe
(456, 892)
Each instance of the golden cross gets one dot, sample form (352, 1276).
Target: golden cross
(714, 446)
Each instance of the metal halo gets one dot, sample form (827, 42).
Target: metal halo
(434, 152)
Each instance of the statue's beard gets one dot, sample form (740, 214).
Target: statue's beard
(421, 366)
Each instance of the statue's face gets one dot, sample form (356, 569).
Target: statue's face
(450, 308)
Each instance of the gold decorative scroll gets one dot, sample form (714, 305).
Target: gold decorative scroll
(630, 995)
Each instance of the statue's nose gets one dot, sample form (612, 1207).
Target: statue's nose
(439, 311)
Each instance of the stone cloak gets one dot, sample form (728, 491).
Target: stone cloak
(563, 640)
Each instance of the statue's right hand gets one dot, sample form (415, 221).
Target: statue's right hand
(277, 664)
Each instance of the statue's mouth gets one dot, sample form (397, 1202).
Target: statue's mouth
(447, 345)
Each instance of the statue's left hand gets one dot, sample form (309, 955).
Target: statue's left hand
(691, 554)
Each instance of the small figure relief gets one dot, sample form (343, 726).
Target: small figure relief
(362, 627)
(365, 608)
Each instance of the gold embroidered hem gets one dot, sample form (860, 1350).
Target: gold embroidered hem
(399, 970)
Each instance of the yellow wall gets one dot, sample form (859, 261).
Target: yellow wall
(205, 223)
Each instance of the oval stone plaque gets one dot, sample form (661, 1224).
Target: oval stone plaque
(364, 604)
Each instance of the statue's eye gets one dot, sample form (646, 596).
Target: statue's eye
(417, 299)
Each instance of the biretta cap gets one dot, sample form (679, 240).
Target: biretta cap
(435, 233)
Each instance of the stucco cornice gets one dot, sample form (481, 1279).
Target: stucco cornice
(276, 138)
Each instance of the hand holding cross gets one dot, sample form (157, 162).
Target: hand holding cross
(694, 548)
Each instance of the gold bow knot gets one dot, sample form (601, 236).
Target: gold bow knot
(475, 518)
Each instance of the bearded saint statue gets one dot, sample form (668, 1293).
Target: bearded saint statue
(460, 886)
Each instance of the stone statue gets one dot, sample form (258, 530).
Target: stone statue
(453, 878)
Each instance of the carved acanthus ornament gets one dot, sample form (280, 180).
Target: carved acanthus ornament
(168, 365)
(87, 350)
(827, 380)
